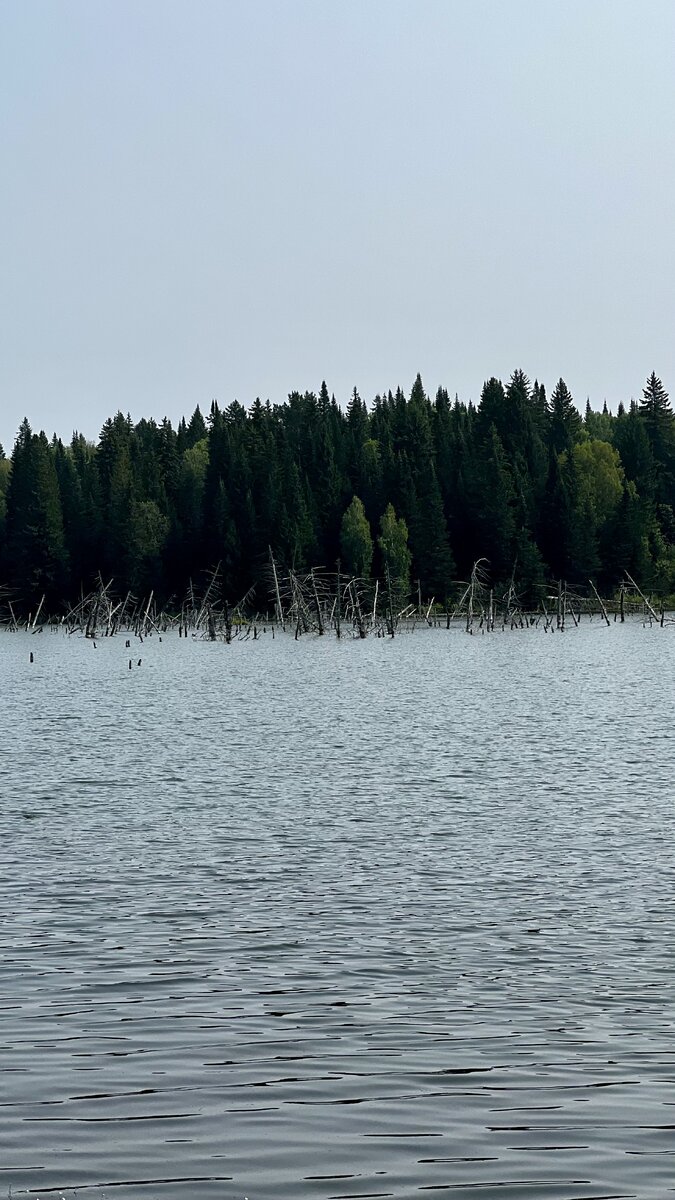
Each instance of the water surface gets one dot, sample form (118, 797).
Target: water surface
(321, 920)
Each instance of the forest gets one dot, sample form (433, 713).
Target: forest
(415, 486)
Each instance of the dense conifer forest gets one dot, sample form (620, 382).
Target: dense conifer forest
(417, 485)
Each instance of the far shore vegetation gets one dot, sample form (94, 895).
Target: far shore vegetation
(415, 486)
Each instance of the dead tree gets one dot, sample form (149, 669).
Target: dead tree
(279, 609)
(317, 605)
(338, 605)
(391, 624)
(642, 596)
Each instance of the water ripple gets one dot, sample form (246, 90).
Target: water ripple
(320, 920)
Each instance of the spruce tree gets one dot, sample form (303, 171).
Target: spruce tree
(35, 538)
(659, 423)
(495, 501)
(655, 405)
(566, 423)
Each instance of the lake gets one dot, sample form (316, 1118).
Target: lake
(320, 920)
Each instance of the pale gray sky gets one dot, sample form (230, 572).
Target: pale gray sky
(211, 199)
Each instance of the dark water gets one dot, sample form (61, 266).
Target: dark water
(325, 920)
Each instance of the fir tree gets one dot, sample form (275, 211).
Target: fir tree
(659, 423)
(566, 423)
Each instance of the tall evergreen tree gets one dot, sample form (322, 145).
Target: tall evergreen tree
(495, 503)
(566, 423)
(655, 406)
(35, 539)
(659, 423)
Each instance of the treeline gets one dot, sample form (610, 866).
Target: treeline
(419, 486)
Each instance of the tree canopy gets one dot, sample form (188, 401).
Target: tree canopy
(410, 484)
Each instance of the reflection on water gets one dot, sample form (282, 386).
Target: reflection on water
(333, 920)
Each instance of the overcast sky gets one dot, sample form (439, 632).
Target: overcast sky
(228, 200)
